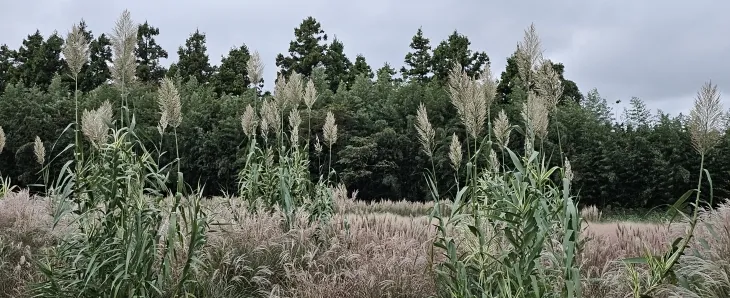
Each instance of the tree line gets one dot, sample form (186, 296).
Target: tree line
(631, 158)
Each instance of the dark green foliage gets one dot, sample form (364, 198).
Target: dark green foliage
(232, 76)
(456, 49)
(305, 51)
(418, 63)
(361, 67)
(193, 59)
(148, 54)
(337, 66)
(643, 160)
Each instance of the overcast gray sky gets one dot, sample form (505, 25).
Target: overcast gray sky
(660, 51)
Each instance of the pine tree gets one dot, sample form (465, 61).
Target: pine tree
(193, 59)
(386, 73)
(232, 76)
(148, 54)
(456, 49)
(306, 51)
(419, 61)
(337, 66)
(361, 67)
(7, 57)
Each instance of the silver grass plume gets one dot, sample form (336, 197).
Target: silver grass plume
(502, 129)
(488, 85)
(255, 68)
(294, 121)
(535, 114)
(455, 154)
(76, 50)
(426, 133)
(39, 150)
(168, 98)
(264, 125)
(310, 95)
(568, 170)
(270, 112)
(294, 90)
(95, 123)
(2, 139)
(529, 55)
(330, 129)
(468, 97)
(123, 40)
(548, 84)
(706, 121)
(280, 92)
(249, 122)
(494, 161)
(162, 125)
(457, 83)
(317, 145)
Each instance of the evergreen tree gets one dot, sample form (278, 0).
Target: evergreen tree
(456, 49)
(361, 67)
(597, 106)
(637, 115)
(148, 54)
(337, 65)
(193, 60)
(386, 73)
(306, 51)
(30, 60)
(7, 57)
(232, 76)
(418, 62)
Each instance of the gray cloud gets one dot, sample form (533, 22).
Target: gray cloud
(659, 51)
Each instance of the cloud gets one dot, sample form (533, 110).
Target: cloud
(658, 51)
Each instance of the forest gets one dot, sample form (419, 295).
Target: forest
(633, 158)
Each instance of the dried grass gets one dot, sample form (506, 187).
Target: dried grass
(376, 249)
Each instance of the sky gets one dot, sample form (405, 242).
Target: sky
(659, 51)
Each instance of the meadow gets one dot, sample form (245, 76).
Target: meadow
(115, 221)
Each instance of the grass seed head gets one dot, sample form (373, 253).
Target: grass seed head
(502, 129)
(294, 121)
(330, 129)
(535, 114)
(280, 91)
(706, 119)
(310, 95)
(568, 170)
(2, 139)
(494, 161)
(317, 145)
(249, 122)
(255, 68)
(39, 150)
(455, 154)
(95, 123)
(529, 55)
(426, 133)
(76, 50)
(548, 84)
(168, 99)
(123, 40)
(270, 111)
(469, 98)
(294, 90)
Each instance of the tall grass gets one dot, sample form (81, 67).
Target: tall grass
(522, 228)
(129, 237)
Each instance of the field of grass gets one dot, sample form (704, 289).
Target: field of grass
(366, 250)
